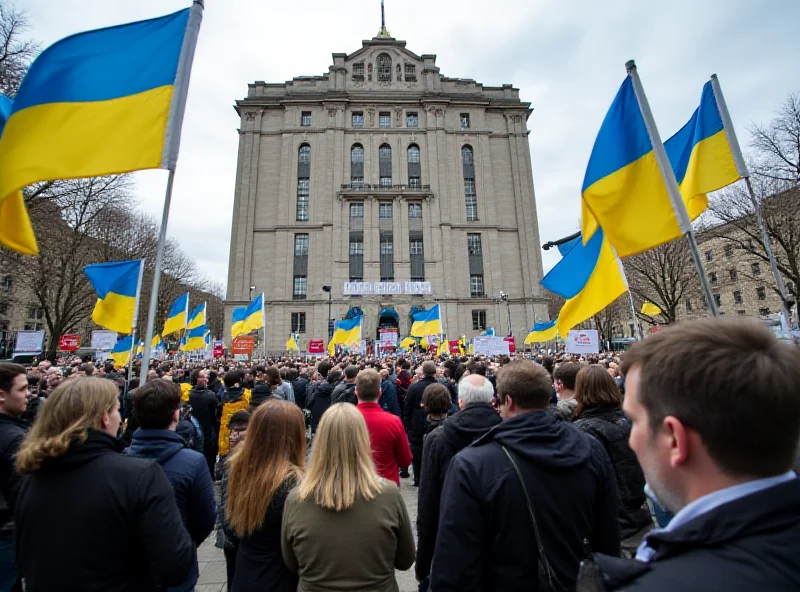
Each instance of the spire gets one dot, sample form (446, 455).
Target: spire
(383, 33)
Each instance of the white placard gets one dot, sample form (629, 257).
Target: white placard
(29, 342)
(385, 288)
(490, 345)
(388, 338)
(583, 342)
(104, 340)
(417, 288)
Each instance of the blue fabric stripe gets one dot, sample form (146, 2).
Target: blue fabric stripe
(255, 306)
(427, 315)
(239, 314)
(570, 275)
(348, 324)
(704, 123)
(106, 63)
(179, 306)
(196, 332)
(119, 277)
(543, 326)
(565, 248)
(622, 138)
(123, 345)
(197, 311)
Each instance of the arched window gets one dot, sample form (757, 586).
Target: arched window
(303, 181)
(414, 172)
(384, 68)
(357, 166)
(467, 165)
(385, 165)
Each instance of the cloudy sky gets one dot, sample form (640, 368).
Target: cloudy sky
(566, 57)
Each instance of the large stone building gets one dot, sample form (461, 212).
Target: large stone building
(393, 185)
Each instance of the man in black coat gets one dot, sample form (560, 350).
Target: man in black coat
(486, 536)
(477, 416)
(414, 415)
(206, 409)
(14, 394)
(716, 420)
(345, 391)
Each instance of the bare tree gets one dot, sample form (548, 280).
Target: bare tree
(777, 144)
(612, 315)
(16, 52)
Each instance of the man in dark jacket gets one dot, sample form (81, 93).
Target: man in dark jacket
(345, 391)
(14, 394)
(319, 398)
(477, 416)
(299, 385)
(486, 537)
(716, 420)
(157, 409)
(414, 415)
(262, 389)
(206, 409)
(388, 401)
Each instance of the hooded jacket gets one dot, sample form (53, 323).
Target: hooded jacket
(485, 539)
(413, 412)
(441, 445)
(345, 392)
(319, 401)
(12, 432)
(235, 399)
(205, 408)
(95, 520)
(744, 545)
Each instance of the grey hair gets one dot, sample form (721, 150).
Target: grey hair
(470, 393)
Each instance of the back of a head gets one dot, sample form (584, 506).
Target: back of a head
(595, 388)
(155, 403)
(273, 375)
(324, 367)
(429, 369)
(476, 367)
(368, 385)
(567, 373)
(72, 409)
(350, 372)
(527, 384)
(436, 399)
(724, 378)
(474, 388)
(9, 373)
(341, 468)
(334, 376)
(232, 378)
(240, 418)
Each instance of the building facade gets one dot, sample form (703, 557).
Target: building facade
(395, 187)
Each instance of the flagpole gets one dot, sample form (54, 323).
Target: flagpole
(171, 146)
(744, 172)
(133, 328)
(668, 175)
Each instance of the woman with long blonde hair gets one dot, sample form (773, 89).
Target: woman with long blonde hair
(87, 517)
(262, 471)
(344, 527)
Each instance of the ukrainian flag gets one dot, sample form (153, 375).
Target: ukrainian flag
(139, 349)
(177, 317)
(542, 332)
(701, 155)
(156, 342)
(237, 328)
(347, 332)
(207, 338)
(427, 322)
(254, 314)
(488, 332)
(117, 285)
(408, 343)
(122, 351)
(197, 317)
(194, 339)
(444, 347)
(291, 344)
(95, 103)
(650, 309)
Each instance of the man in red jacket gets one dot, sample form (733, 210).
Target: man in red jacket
(390, 449)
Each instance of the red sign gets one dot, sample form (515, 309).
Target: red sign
(512, 343)
(454, 347)
(244, 344)
(69, 342)
(316, 346)
(219, 351)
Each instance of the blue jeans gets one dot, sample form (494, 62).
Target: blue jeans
(9, 574)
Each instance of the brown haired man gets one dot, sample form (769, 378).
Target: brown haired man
(486, 536)
(715, 408)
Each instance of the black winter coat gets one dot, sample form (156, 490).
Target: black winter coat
(485, 539)
(261, 392)
(749, 544)
(95, 520)
(441, 445)
(345, 392)
(612, 429)
(319, 401)
(12, 432)
(414, 413)
(206, 410)
(299, 385)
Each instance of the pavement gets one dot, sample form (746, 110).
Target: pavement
(211, 561)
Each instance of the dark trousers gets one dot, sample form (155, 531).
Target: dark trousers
(210, 452)
(230, 563)
(416, 460)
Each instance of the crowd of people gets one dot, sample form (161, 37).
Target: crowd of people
(668, 468)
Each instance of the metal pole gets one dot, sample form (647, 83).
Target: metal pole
(635, 319)
(330, 302)
(668, 176)
(508, 317)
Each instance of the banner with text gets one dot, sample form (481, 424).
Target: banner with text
(584, 341)
(385, 288)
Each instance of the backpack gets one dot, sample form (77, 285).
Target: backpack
(189, 429)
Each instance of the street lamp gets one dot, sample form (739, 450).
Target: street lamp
(330, 296)
(250, 295)
(503, 297)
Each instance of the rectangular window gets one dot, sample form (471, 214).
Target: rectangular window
(718, 300)
(411, 73)
(741, 313)
(305, 119)
(737, 297)
(358, 71)
(356, 247)
(478, 320)
(300, 287)
(358, 119)
(713, 277)
(302, 210)
(474, 244)
(386, 182)
(734, 274)
(763, 311)
(301, 245)
(688, 305)
(761, 292)
(303, 190)
(472, 200)
(385, 119)
(34, 312)
(729, 250)
(415, 247)
(411, 119)
(465, 121)
(33, 326)
(387, 247)
(298, 322)
(709, 255)
(476, 286)
(415, 210)
(756, 268)
(357, 210)
(385, 211)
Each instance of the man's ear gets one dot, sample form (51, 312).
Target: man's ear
(678, 439)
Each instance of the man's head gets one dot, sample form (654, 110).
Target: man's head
(156, 405)
(324, 367)
(237, 425)
(474, 388)
(384, 374)
(564, 377)
(87, 369)
(200, 379)
(350, 373)
(368, 385)
(429, 369)
(436, 399)
(44, 365)
(522, 386)
(14, 392)
(233, 378)
(713, 403)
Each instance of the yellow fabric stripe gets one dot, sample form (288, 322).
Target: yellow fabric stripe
(174, 324)
(72, 140)
(16, 231)
(711, 167)
(539, 336)
(423, 328)
(115, 312)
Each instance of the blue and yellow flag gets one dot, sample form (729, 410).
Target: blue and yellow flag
(95, 103)
(291, 343)
(208, 339)
(542, 332)
(254, 314)
(117, 285)
(347, 332)
(408, 343)
(488, 332)
(570, 274)
(139, 349)
(427, 322)
(156, 342)
(237, 328)
(122, 351)
(194, 339)
(178, 315)
(197, 317)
